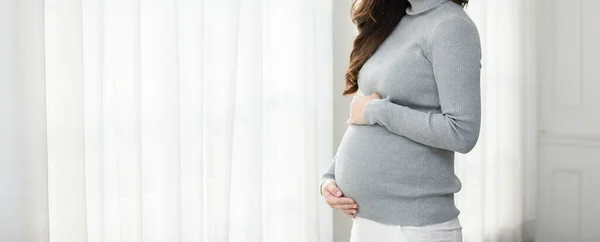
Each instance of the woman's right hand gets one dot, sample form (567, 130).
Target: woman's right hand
(334, 197)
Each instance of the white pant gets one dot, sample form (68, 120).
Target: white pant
(364, 230)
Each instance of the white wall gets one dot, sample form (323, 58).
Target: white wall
(343, 35)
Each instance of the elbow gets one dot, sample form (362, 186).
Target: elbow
(465, 146)
(467, 141)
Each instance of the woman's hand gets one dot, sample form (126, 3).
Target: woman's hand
(357, 108)
(333, 197)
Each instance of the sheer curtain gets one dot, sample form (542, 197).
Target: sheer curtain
(165, 120)
(497, 201)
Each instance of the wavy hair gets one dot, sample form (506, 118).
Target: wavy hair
(375, 20)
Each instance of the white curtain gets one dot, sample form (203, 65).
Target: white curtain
(497, 197)
(165, 120)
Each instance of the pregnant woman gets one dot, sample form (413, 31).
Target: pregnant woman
(417, 64)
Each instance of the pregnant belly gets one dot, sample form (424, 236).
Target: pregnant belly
(373, 162)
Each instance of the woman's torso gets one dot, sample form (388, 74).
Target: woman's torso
(394, 179)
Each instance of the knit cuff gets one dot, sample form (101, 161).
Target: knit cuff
(373, 110)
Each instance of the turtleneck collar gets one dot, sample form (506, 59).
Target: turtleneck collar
(420, 6)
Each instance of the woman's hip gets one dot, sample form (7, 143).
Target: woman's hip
(365, 230)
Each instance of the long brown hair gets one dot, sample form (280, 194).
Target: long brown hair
(375, 20)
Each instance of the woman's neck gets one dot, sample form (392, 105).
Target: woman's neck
(420, 6)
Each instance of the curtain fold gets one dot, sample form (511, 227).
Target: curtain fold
(23, 145)
(179, 120)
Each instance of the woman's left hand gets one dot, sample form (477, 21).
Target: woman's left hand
(357, 108)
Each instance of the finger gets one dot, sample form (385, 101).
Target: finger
(376, 95)
(332, 201)
(330, 187)
(351, 119)
(335, 190)
(327, 193)
(345, 206)
(349, 212)
(346, 200)
(325, 187)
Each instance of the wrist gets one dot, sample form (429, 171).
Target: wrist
(371, 109)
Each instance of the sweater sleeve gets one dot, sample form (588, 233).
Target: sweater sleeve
(455, 55)
(330, 173)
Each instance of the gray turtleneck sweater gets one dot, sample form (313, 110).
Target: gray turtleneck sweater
(399, 168)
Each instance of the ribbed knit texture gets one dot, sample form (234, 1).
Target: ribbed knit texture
(399, 167)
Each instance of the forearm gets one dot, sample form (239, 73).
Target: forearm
(328, 175)
(433, 129)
